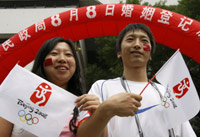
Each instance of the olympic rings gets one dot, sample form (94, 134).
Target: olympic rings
(165, 103)
(27, 117)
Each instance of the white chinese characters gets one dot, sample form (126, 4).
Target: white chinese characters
(7, 44)
(148, 13)
(23, 35)
(74, 13)
(165, 16)
(40, 26)
(110, 10)
(184, 23)
(127, 10)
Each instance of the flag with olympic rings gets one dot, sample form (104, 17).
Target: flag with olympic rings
(180, 101)
(34, 104)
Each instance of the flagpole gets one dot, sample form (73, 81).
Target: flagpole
(159, 71)
(147, 84)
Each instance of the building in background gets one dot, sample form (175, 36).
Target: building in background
(17, 15)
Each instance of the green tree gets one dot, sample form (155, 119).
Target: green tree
(134, 1)
(106, 65)
(189, 8)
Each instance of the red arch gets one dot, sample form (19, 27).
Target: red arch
(169, 28)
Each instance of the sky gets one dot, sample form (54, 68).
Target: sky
(169, 2)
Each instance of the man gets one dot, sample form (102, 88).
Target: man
(116, 116)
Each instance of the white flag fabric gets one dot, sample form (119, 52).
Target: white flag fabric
(181, 101)
(35, 104)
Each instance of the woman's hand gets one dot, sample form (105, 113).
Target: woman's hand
(87, 102)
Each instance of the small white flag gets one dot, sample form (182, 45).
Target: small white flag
(35, 104)
(181, 101)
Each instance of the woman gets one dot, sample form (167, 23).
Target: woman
(58, 63)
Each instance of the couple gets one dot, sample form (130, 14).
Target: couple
(109, 109)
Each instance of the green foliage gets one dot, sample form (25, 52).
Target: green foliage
(161, 4)
(162, 54)
(107, 65)
(189, 8)
(133, 1)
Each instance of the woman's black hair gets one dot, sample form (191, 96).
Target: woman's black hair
(74, 85)
(72, 124)
(135, 26)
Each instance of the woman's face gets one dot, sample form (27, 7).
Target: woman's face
(60, 64)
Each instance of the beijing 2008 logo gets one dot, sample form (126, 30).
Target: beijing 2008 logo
(41, 95)
(27, 117)
(181, 88)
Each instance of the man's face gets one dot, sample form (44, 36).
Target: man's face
(135, 49)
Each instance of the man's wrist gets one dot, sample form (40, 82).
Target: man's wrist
(105, 110)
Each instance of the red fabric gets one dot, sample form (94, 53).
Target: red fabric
(169, 28)
(84, 119)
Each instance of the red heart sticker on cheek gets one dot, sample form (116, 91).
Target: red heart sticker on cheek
(48, 62)
(146, 47)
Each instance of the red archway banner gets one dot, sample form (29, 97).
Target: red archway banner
(169, 28)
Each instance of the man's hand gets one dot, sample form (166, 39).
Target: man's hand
(122, 104)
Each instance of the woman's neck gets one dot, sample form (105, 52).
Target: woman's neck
(63, 86)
